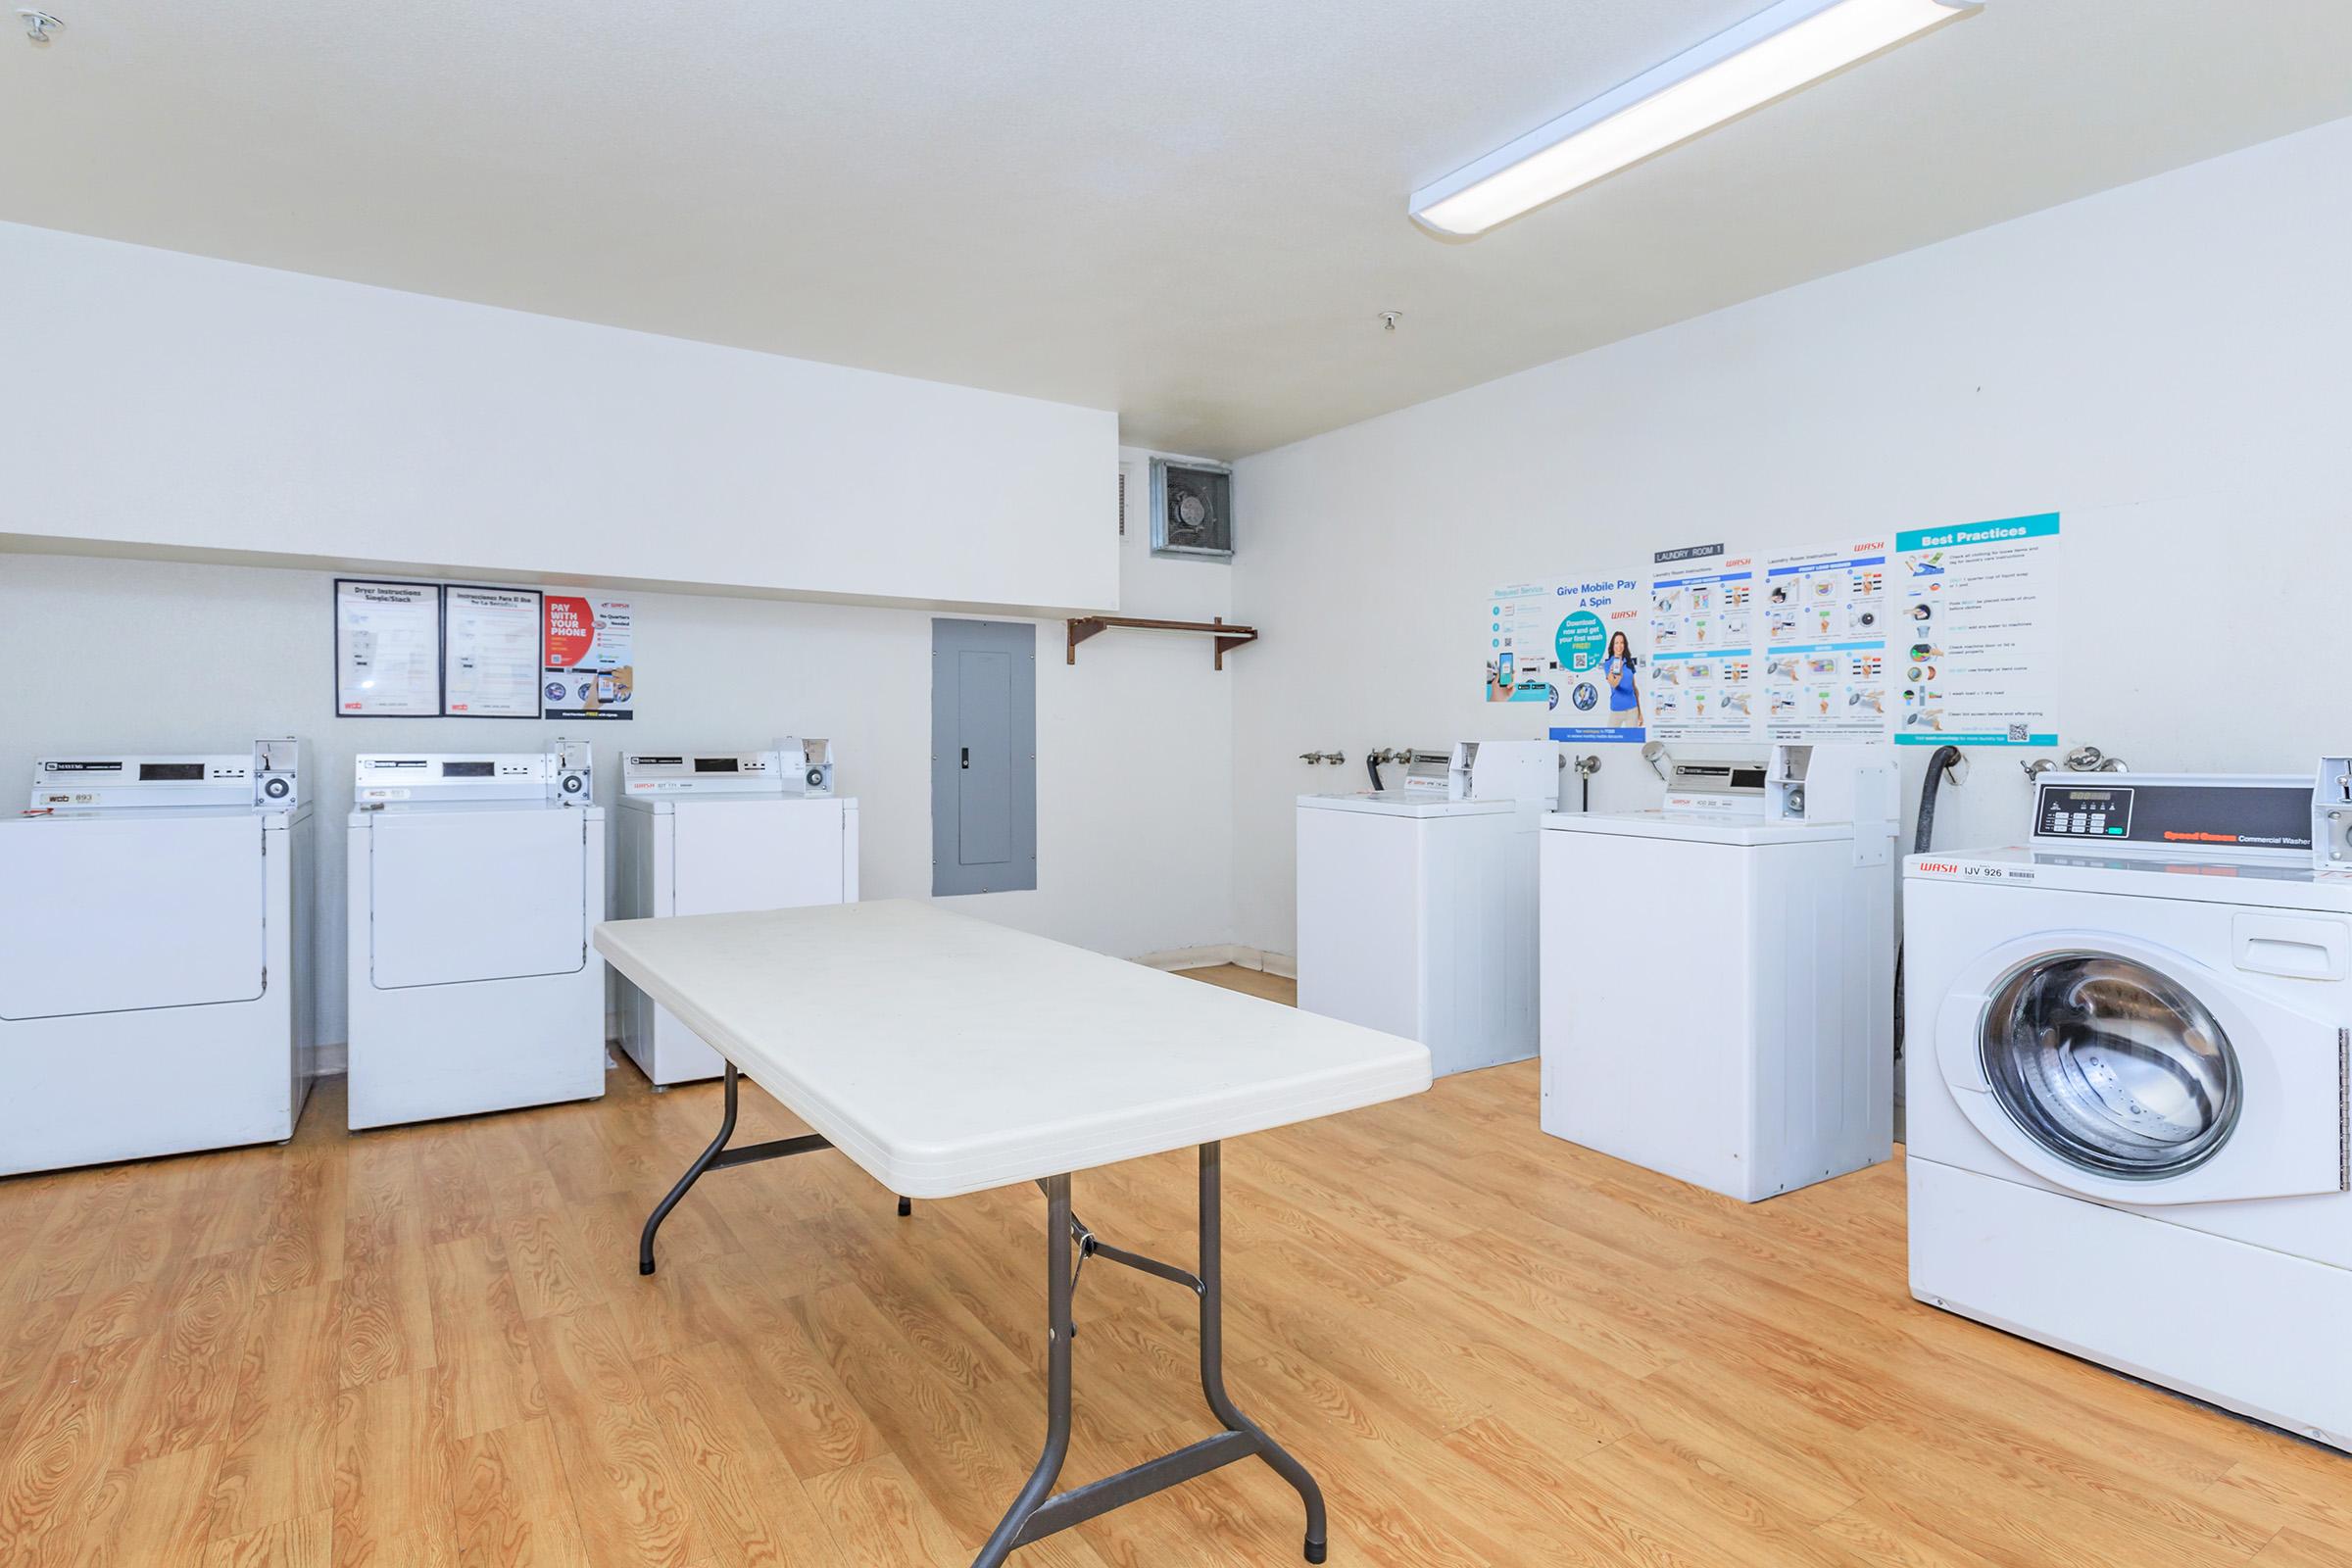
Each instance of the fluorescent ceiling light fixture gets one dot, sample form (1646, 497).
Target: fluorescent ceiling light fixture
(1771, 54)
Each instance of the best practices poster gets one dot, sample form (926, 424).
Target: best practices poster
(1979, 648)
(590, 669)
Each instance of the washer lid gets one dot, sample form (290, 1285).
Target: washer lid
(1395, 803)
(1694, 829)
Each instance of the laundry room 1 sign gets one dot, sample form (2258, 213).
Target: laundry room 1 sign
(591, 669)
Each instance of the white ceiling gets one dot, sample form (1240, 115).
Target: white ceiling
(1190, 210)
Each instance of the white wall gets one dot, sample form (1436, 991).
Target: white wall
(2166, 364)
(172, 402)
(1134, 762)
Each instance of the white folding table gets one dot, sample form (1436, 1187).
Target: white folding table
(946, 1055)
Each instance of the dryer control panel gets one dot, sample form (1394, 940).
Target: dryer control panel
(268, 778)
(560, 775)
(658, 774)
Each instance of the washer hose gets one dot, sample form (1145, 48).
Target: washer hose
(1372, 767)
(1921, 840)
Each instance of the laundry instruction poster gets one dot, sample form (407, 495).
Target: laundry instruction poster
(1701, 681)
(590, 669)
(490, 656)
(387, 649)
(1519, 625)
(1979, 649)
(1597, 644)
(1826, 620)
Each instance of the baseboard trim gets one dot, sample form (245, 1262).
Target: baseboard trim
(1221, 954)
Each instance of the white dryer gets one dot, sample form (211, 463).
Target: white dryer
(474, 880)
(716, 833)
(1717, 975)
(155, 958)
(2131, 1134)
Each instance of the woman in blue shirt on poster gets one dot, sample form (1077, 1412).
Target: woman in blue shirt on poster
(1617, 671)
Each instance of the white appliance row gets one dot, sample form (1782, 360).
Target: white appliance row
(157, 939)
(716, 834)
(1417, 905)
(155, 956)
(1716, 973)
(2130, 1085)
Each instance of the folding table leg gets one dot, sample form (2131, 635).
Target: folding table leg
(694, 1173)
(1038, 1512)
(1212, 1354)
(1058, 1379)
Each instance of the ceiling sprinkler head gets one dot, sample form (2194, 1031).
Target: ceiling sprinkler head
(38, 24)
(1389, 318)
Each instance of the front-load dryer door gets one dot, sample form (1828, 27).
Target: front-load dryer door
(459, 896)
(733, 855)
(2130, 1073)
(120, 914)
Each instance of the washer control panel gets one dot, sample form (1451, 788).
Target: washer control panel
(2174, 812)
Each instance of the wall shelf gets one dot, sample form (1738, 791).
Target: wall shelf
(1228, 637)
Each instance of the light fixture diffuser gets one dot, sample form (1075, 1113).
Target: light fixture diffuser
(1771, 54)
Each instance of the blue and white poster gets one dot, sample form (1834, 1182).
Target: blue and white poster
(1518, 659)
(1701, 678)
(1978, 654)
(1825, 624)
(1597, 658)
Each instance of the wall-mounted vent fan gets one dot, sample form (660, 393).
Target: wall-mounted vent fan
(1191, 509)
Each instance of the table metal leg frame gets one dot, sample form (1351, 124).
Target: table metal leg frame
(718, 1157)
(1038, 1512)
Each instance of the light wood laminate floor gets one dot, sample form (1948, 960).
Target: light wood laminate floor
(430, 1346)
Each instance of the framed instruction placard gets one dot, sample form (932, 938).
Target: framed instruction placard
(490, 652)
(387, 649)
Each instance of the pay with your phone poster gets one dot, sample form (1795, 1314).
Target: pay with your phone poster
(590, 667)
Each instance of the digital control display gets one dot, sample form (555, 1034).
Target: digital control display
(467, 769)
(717, 765)
(2100, 814)
(2223, 815)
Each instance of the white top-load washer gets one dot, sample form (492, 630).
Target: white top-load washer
(474, 880)
(155, 958)
(1417, 905)
(1717, 975)
(2131, 1130)
(720, 833)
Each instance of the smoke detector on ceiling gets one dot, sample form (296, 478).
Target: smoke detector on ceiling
(38, 24)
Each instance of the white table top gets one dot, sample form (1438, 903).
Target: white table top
(946, 1055)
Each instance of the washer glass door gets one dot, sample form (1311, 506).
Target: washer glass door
(2111, 1066)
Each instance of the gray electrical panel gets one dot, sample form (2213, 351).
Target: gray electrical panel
(983, 756)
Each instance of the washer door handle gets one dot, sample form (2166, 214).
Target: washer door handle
(1958, 1050)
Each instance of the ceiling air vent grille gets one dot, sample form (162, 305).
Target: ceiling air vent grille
(1191, 509)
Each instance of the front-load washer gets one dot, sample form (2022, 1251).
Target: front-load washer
(474, 880)
(1716, 974)
(716, 833)
(1417, 905)
(155, 956)
(2131, 1125)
